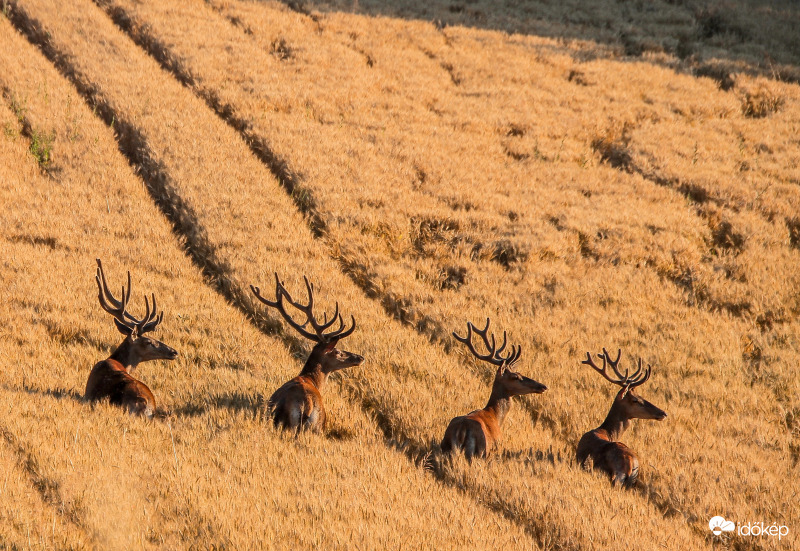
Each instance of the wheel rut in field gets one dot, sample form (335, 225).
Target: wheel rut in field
(395, 306)
(159, 176)
(218, 275)
(48, 489)
(415, 452)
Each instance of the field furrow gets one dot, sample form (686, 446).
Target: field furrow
(210, 471)
(642, 249)
(407, 380)
(423, 175)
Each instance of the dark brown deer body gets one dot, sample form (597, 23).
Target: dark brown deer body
(111, 378)
(298, 403)
(478, 432)
(602, 444)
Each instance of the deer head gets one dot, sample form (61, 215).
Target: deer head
(509, 382)
(324, 353)
(136, 347)
(626, 400)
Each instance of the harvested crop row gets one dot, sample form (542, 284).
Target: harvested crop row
(656, 224)
(213, 472)
(407, 379)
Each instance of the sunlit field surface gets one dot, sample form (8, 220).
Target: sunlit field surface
(614, 174)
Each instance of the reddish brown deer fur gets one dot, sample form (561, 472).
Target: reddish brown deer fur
(111, 378)
(478, 432)
(602, 444)
(298, 404)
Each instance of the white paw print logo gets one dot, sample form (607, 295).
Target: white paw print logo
(719, 525)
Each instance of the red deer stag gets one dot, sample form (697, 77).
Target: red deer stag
(602, 444)
(111, 378)
(478, 432)
(298, 404)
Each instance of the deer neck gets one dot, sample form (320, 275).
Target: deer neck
(499, 404)
(617, 421)
(312, 371)
(126, 355)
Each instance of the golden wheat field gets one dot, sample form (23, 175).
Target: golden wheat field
(586, 174)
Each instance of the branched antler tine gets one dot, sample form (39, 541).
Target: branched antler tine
(503, 346)
(643, 380)
(142, 323)
(614, 363)
(146, 317)
(104, 287)
(461, 339)
(116, 308)
(127, 298)
(152, 323)
(280, 293)
(101, 297)
(310, 289)
(155, 309)
(484, 335)
(257, 292)
(326, 323)
(602, 371)
(491, 345)
(516, 351)
(349, 332)
(635, 375)
(338, 334)
(588, 361)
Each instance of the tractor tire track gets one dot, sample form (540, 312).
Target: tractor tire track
(427, 325)
(218, 274)
(395, 306)
(48, 489)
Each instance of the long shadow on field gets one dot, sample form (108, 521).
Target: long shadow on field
(235, 402)
(692, 31)
(58, 393)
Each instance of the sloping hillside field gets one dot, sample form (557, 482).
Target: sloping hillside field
(620, 175)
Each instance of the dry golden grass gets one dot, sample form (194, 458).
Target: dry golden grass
(447, 174)
(212, 472)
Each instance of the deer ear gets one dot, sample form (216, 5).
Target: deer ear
(624, 391)
(124, 329)
(501, 369)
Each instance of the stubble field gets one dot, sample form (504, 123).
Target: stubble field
(619, 175)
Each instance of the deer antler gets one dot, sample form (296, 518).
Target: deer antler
(626, 381)
(117, 308)
(494, 356)
(319, 334)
